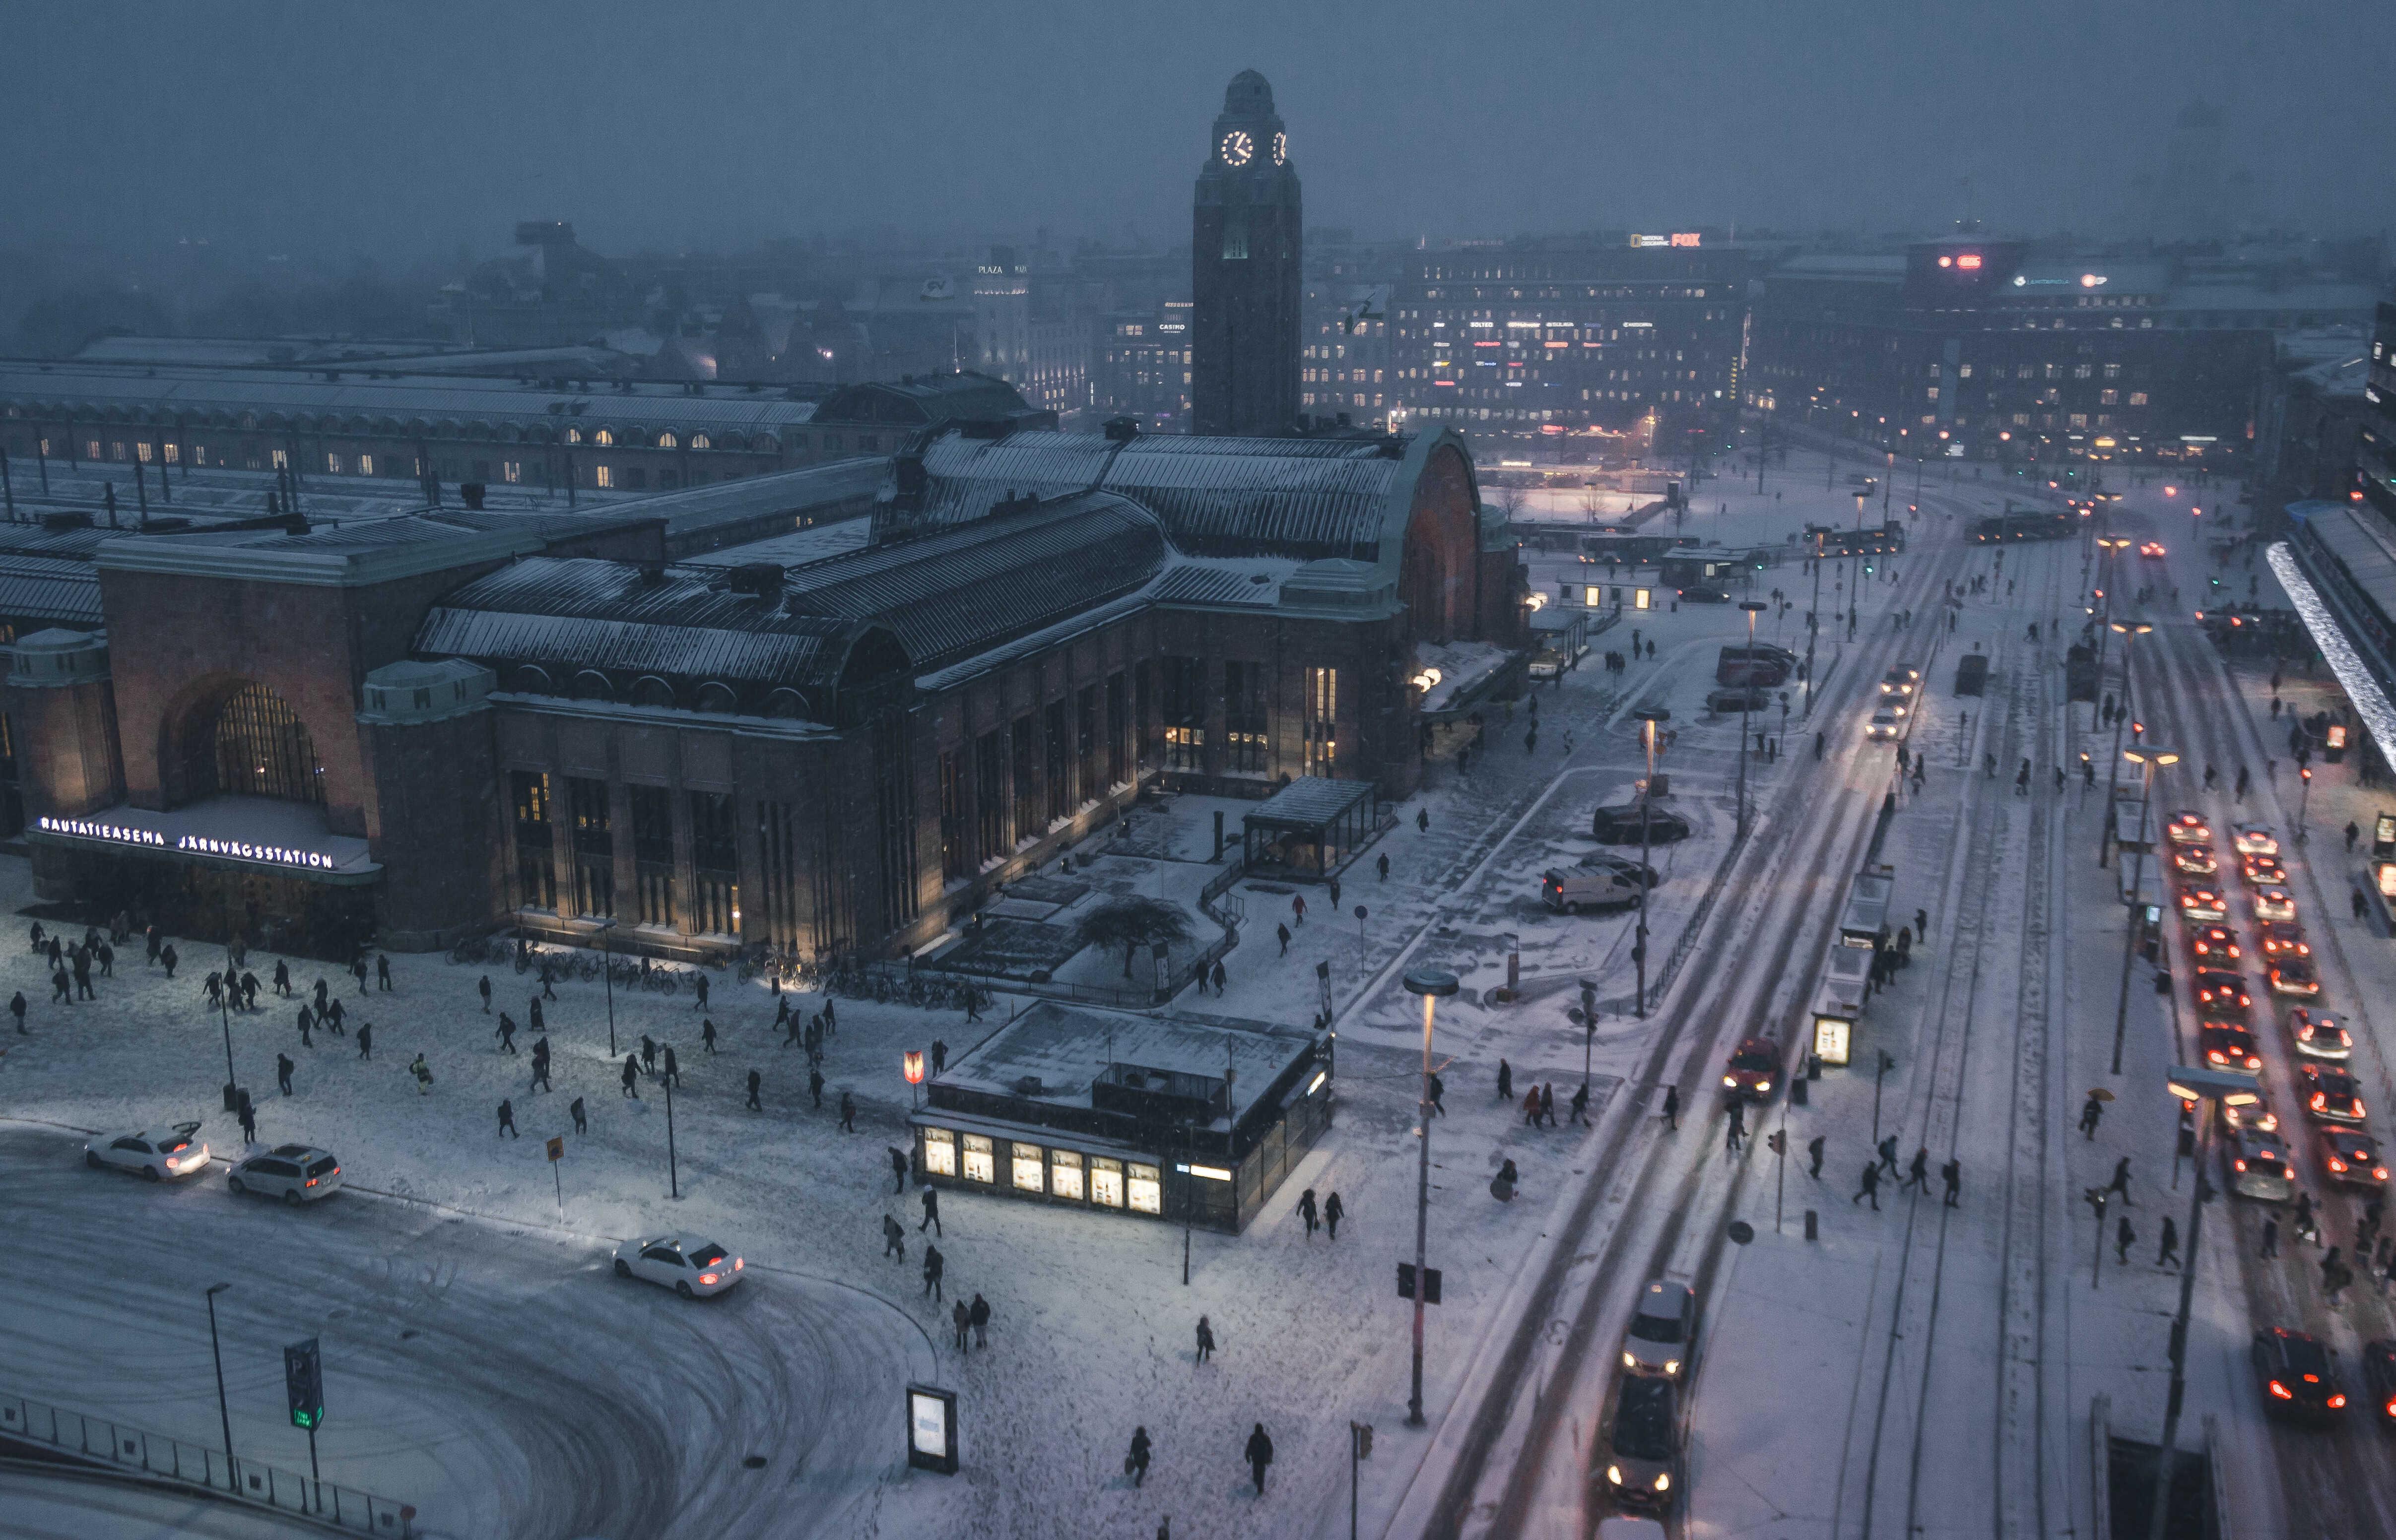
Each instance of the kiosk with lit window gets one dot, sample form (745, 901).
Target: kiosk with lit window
(1158, 1118)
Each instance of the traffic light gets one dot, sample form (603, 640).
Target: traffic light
(304, 1379)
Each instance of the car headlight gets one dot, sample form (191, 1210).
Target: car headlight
(1663, 1480)
(1672, 1366)
(1731, 1081)
(1761, 1087)
(1613, 1473)
(1630, 1361)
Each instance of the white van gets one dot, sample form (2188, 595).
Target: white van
(1573, 889)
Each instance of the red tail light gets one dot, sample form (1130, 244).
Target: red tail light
(2282, 1391)
(708, 1279)
(2320, 1100)
(2336, 1165)
(2336, 1402)
(2241, 1165)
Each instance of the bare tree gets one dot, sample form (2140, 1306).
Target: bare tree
(1132, 924)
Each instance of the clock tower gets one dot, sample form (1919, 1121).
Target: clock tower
(1244, 261)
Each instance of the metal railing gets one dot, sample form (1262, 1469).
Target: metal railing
(101, 1441)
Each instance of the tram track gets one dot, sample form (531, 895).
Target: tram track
(1733, 993)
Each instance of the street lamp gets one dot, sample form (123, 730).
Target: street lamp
(2231, 1088)
(1432, 984)
(1813, 625)
(2147, 758)
(224, 1417)
(1746, 695)
(2303, 799)
(607, 971)
(2131, 631)
(914, 1065)
(1651, 720)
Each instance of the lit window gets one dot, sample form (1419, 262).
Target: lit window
(1065, 1174)
(332, 464)
(606, 475)
(667, 441)
(574, 435)
(2138, 398)
(978, 1165)
(700, 441)
(141, 451)
(1031, 1169)
(940, 1152)
(279, 461)
(173, 454)
(365, 465)
(1106, 1181)
(603, 436)
(2108, 398)
(511, 470)
(1145, 1192)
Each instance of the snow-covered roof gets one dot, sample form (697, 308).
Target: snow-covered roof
(47, 587)
(1067, 1047)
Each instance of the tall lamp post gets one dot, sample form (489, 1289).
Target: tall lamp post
(1432, 984)
(1746, 695)
(2130, 631)
(607, 971)
(2231, 1088)
(2148, 759)
(1651, 720)
(224, 1417)
(1813, 625)
(2303, 799)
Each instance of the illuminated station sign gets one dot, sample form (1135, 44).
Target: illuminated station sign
(189, 844)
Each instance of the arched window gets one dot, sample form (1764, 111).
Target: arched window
(714, 696)
(591, 684)
(700, 441)
(259, 748)
(786, 702)
(574, 435)
(667, 441)
(531, 679)
(649, 690)
(603, 436)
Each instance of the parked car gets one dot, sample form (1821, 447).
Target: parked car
(1569, 889)
(1621, 824)
(2254, 1164)
(1663, 1329)
(2318, 1035)
(156, 1155)
(1644, 1448)
(1734, 699)
(1630, 870)
(297, 1174)
(2294, 1372)
(690, 1267)
(2351, 1157)
(1705, 595)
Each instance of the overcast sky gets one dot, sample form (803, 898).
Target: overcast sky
(402, 128)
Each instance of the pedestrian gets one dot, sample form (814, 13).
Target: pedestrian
(505, 1033)
(548, 980)
(541, 1067)
(1382, 865)
(1259, 1455)
(756, 1081)
(1422, 823)
(507, 1117)
(934, 1264)
(2090, 1111)
(248, 1115)
(815, 1085)
(366, 1039)
(631, 1075)
(2304, 1227)
(1547, 1104)
(1206, 1340)
(2244, 780)
(17, 1003)
(2271, 1239)
(978, 1313)
(383, 971)
(423, 1073)
(1505, 1081)
(1952, 1175)
(1283, 931)
(1219, 978)
(847, 1113)
(1333, 1212)
(1921, 923)
(332, 1016)
(894, 1238)
(282, 1067)
(1871, 1187)
(2167, 1253)
(1438, 1091)
(582, 1124)
(1889, 1155)
(1918, 1170)
(2125, 1235)
(1135, 1463)
(673, 1070)
(648, 1054)
(898, 1170)
(481, 988)
(282, 967)
(1673, 1107)
(1580, 1104)
(358, 971)
(61, 986)
(932, 1212)
(2121, 1182)
(957, 1319)
(1814, 1148)
(107, 955)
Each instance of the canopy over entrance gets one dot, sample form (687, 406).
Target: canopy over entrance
(1310, 828)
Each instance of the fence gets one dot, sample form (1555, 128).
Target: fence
(99, 1440)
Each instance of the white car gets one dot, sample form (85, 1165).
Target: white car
(1886, 723)
(2253, 839)
(297, 1174)
(158, 1156)
(1662, 1327)
(689, 1267)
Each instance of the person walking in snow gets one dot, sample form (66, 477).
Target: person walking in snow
(631, 1074)
(2121, 1182)
(17, 1006)
(648, 1054)
(1333, 1212)
(1547, 1104)
(894, 1238)
(1135, 1463)
(1871, 1187)
(756, 1080)
(1889, 1155)
(2091, 1111)
(1531, 1106)
(306, 1021)
(332, 1017)
(282, 1067)
(2167, 1254)
(383, 971)
(934, 1265)
(482, 988)
(581, 1119)
(699, 981)
(366, 1039)
(282, 967)
(898, 1172)
(1206, 1340)
(1918, 1170)
(1438, 1097)
(2125, 1235)
(1259, 1455)
(1422, 822)
(1505, 1081)
(1580, 1104)
(540, 1066)
(247, 1117)
(1952, 1175)
(1306, 1211)
(707, 1034)
(1736, 1129)
(978, 1313)
(1283, 931)
(1814, 1148)
(508, 1120)
(423, 1073)
(673, 1070)
(961, 1318)
(847, 1113)
(815, 1085)
(1673, 1107)
(505, 1033)
(932, 1213)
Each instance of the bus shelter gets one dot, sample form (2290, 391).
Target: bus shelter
(1309, 829)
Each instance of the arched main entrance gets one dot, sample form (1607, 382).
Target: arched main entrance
(256, 746)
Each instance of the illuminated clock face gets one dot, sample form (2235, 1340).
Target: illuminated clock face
(1238, 149)
(1281, 149)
